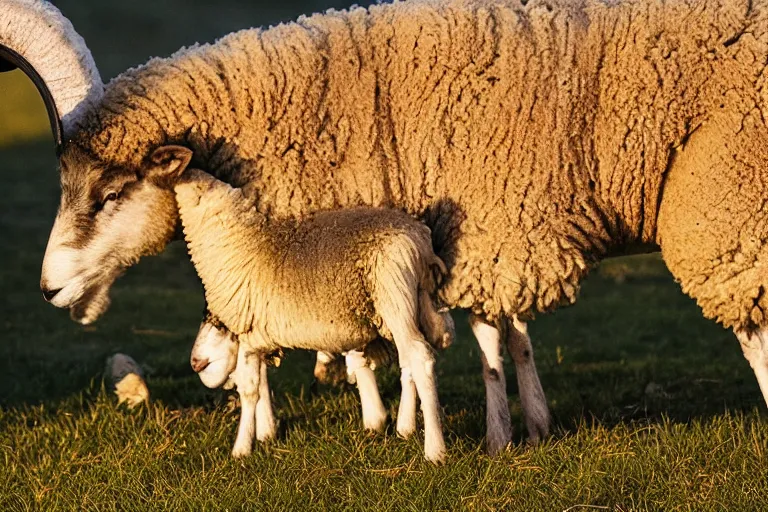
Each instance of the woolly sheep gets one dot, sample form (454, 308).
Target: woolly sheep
(324, 113)
(333, 282)
(534, 140)
(214, 357)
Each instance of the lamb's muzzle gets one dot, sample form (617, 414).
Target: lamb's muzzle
(214, 355)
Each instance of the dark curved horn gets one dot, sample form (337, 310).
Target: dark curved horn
(10, 60)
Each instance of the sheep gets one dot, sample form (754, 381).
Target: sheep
(534, 140)
(221, 361)
(214, 357)
(216, 352)
(335, 281)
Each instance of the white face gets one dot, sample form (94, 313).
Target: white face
(216, 351)
(108, 219)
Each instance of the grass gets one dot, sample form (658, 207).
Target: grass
(654, 407)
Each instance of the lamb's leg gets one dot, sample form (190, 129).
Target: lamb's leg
(497, 419)
(247, 376)
(416, 355)
(265, 418)
(329, 368)
(532, 398)
(374, 414)
(755, 348)
(406, 413)
(396, 299)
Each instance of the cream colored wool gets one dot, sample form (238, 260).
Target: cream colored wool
(334, 282)
(312, 284)
(32, 28)
(533, 140)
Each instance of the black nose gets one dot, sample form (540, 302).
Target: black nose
(48, 295)
(199, 364)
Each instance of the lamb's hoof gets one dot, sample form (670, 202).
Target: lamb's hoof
(375, 424)
(267, 433)
(405, 431)
(265, 436)
(239, 452)
(435, 454)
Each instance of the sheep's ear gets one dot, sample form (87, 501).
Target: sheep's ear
(168, 162)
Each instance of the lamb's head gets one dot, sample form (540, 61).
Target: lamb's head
(108, 218)
(214, 354)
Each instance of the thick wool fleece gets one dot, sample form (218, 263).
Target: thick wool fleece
(312, 284)
(532, 139)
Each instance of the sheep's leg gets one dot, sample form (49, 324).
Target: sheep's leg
(329, 368)
(265, 418)
(374, 414)
(396, 300)
(422, 365)
(497, 419)
(532, 398)
(247, 376)
(416, 355)
(406, 413)
(755, 348)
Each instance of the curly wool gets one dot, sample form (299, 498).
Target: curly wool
(533, 140)
(314, 284)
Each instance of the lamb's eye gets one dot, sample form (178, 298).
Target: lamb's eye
(110, 197)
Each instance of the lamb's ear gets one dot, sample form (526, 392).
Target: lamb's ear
(168, 162)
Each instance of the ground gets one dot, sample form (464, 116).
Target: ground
(654, 407)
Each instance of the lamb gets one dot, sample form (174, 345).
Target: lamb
(534, 140)
(335, 282)
(325, 113)
(215, 354)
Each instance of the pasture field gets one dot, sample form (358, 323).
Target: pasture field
(654, 407)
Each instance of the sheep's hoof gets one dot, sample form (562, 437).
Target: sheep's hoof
(405, 431)
(239, 452)
(376, 424)
(536, 433)
(495, 448)
(496, 444)
(435, 455)
(537, 424)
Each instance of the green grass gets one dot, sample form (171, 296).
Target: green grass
(654, 407)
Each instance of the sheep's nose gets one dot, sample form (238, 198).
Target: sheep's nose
(48, 294)
(199, 364)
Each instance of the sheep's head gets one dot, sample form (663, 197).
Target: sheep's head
(214, 354)
(108, 218)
